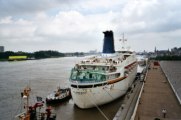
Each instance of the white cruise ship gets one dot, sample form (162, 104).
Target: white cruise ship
(101, 79)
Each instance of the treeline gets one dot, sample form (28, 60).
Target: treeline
(75, 53)
(47, 54)
(5, 55)
(165, 57)
(36, 55)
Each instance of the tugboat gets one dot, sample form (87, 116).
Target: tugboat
(31, 113)
(59, 95)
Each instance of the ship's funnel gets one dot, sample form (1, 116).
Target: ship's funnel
(108, 46)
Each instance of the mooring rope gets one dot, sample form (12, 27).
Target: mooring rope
(113, 98)
(96, 105)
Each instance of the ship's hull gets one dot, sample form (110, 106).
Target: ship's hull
(92, 97)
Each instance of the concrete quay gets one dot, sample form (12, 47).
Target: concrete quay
(158, 95)
(126, 112)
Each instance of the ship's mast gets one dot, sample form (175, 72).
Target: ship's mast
(123, 36)
(28, 89)
(123, 40)
(26, 95)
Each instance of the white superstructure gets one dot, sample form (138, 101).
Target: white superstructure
(141, 60)
(104, 78)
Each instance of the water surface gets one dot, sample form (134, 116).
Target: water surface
(44, 76)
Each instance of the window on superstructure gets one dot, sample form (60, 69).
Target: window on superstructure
(118, 75)
(107, 68)
(94, 76)
(87, 75)
(90, 75)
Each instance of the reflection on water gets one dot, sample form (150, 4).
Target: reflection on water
(43, 76)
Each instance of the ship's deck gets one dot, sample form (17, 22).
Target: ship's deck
(104, 60)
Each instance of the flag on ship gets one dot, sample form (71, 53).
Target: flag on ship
(39, 99)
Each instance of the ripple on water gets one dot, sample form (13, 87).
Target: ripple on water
(43, 76)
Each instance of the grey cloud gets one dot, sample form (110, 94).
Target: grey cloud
(22, 7)
(144, 26)
(161, 17)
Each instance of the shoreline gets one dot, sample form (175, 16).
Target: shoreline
(4, 60)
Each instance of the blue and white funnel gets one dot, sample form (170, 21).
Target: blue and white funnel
(108, 46)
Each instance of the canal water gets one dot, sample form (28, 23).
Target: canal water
(44, 76)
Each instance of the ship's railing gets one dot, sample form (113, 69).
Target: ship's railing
(100, 62)
(86, 81)
(87, 76)
(41, 115)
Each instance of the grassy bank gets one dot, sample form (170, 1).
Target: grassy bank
(3, 59)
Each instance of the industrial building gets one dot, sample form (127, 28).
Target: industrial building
(1, 48)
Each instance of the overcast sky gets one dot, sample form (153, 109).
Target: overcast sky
(77, 25)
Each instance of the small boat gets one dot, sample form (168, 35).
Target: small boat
(31, 111)
(59, 95)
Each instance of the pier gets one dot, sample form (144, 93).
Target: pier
(128, 108)
(157, 95)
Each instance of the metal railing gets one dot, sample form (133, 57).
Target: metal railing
(85, 81)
